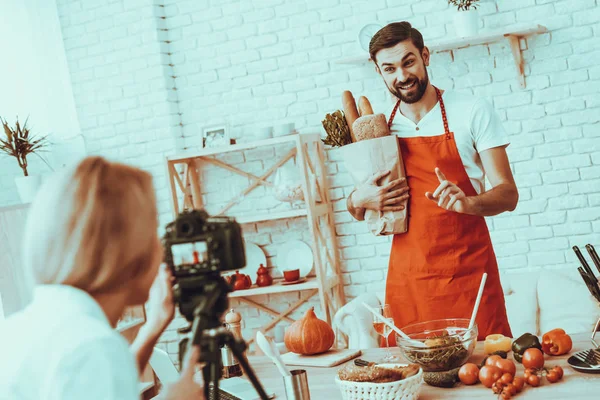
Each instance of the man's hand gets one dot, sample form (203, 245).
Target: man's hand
(389, 197)
(186, 387)
(448, 195)
(161, 304)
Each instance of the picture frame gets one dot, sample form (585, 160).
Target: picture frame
(216, 136)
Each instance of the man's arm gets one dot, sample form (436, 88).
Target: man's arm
(371, 196)
(503, 196)
(356, 212)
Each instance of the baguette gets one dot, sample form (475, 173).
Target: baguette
(364, 106)
(350, 111)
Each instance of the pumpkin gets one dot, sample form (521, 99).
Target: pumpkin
(309, 335)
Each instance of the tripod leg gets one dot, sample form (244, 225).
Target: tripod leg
(237, 349)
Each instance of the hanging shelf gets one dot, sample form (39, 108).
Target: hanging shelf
(512, 33)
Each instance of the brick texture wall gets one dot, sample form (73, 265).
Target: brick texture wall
(257, 63)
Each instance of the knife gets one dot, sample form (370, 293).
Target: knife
(593, 288)
(592, 252)
(585, 265)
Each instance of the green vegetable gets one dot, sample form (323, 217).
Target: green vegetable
(524, 342)
(444, 379)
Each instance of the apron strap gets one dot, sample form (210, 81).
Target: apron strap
(442, 107)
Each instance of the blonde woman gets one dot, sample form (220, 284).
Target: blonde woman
(91, 249)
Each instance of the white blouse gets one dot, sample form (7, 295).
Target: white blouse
(62, 347)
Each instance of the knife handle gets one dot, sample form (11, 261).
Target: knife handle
(592, 252)
(592, 287)
(585, 264)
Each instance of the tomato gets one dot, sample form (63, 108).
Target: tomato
(511, 388)
(488, 374)
(559, 371)
(506, 395)
(534, 381)
(468, 374)
(519, 383)
(552, 377)
(507, 366)
(506, 378)
(533, 358)
(492, 360)
(497, 387)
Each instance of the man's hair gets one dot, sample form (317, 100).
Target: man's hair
(392, 34)
(91, 226)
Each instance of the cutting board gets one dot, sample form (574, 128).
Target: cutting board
(330, 358)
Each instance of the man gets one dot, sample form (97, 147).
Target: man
(450, 142)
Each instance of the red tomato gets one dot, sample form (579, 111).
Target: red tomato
(559, 371)
(489, 374)
(533, 358)
(519, 383)
(506, 378)
(552, 377)
(511, 388)
(534, 381)
(468, 374)
(492, 360)
(507, 366)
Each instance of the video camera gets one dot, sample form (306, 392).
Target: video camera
(197, 249)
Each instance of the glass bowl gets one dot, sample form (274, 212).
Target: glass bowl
(438, 345)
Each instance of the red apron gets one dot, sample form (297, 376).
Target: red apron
(436, 266)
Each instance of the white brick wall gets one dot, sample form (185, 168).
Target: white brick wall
(258, 63)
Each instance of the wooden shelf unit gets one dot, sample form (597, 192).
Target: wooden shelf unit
(310, 154)
(512, 33)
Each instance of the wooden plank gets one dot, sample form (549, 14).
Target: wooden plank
(291, 309)
(231, 168)
(276, 287)
(518, 58)
(574, 385)
(195, 181)
(253, 186)
(483, 37)
(171, 171)
(271, 216)
(246, 146)
(265, 309)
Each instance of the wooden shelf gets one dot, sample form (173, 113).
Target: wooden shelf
(512, 33)
(277, 287)
(321, 210)
(304, 137)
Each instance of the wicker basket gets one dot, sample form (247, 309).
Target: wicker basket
(406, 389)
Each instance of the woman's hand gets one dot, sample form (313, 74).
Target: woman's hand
(186, 387)
(448, 195)
(388, 197)
(161, 305)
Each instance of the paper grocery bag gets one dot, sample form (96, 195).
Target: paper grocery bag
(365, 158)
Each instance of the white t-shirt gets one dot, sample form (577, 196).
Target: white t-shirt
(62, 347)
(475, 123)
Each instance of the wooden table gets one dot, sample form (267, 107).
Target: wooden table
(573, 386)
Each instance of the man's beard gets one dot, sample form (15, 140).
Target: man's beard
(416, 93)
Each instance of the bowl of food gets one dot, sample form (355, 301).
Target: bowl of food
(380, 381)
(438, 345)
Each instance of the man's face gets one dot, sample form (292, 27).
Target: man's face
(404, 71)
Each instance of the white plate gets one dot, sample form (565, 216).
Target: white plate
(295, 254)
(254, 257)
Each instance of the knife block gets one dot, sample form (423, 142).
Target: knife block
(596, 329)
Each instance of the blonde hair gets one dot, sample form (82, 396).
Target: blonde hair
(92, 227)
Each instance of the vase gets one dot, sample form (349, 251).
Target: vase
(27, 187)
(466, 23)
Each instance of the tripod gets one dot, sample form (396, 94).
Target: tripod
(208, 332)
